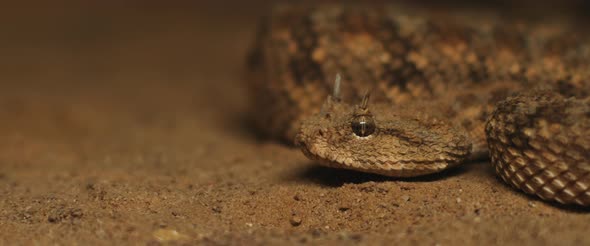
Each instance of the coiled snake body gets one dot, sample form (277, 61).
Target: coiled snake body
(443, 90)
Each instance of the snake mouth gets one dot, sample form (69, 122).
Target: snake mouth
(299, 142)
(302, 145)
(307, 153)
(308, 147)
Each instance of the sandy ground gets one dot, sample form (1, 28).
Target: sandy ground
(130, 127)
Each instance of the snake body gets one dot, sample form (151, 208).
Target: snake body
(444, 89)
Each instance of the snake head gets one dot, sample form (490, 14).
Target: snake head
(378, 138)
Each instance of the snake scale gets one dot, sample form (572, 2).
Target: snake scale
(404, 92)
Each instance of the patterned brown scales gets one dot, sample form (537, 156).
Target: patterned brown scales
(444, 89)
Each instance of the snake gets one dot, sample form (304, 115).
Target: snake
(406, 92)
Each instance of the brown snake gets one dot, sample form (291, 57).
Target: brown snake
(444, 89)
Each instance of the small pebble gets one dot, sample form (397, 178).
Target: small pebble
(52, 219)
(350, 236)
(76, 213)
(295, 220)
(405, 198)
(316, 232)
(167, 235)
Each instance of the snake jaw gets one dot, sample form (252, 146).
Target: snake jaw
(401, 145)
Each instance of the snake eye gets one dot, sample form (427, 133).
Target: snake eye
(363, 125)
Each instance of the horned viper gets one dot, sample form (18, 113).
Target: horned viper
(419, 92)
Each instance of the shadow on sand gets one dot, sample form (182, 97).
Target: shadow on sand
(334, 177)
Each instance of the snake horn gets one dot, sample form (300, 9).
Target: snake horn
(365, 101)
(336, 92)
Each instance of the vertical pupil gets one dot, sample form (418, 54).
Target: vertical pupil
(363, 127)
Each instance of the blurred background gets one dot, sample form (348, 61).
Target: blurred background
(126, 48)
(97, 42)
